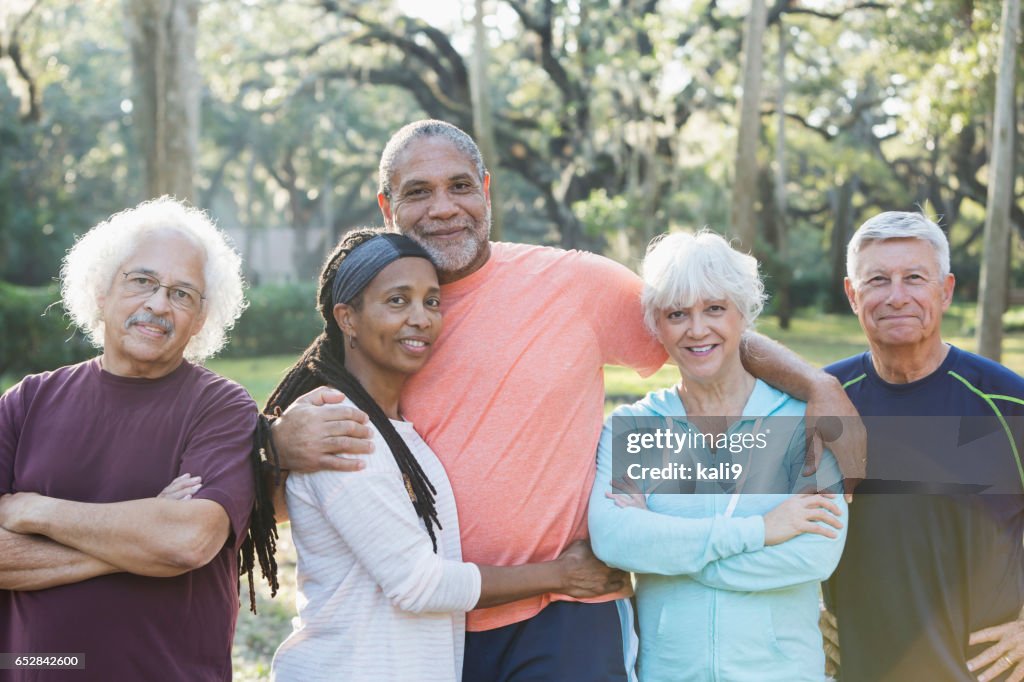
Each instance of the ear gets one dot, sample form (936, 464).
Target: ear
(385, 209)
(948, 285)
(487, 187)
(851, 294)
(343, 316)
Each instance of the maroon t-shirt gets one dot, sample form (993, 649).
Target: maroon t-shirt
(80, 433)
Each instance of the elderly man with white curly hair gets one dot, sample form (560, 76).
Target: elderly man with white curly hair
(126, 480)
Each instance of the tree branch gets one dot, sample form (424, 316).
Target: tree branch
(13, 51)
(428, 95)
(305, 51)
(833, 16)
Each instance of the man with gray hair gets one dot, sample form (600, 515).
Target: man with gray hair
(126, 480)
(931, 582)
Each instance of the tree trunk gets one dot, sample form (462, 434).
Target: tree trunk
(162, 35)
(783, 303)
(251, 275)
(842, 230)
(483, 120)
(745, 187)
(326, 211)
(995, 270)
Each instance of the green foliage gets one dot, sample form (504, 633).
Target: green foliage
(806, 269)
(36, 337)
(74, 165)
(614, 122)
(280, 319)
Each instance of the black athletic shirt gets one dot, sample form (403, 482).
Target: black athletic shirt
(920, 572)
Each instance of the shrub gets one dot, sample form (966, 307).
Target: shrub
(36, 337)
(280, 319)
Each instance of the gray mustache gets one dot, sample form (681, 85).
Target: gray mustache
(146, 317)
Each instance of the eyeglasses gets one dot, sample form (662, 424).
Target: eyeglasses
(181, 296)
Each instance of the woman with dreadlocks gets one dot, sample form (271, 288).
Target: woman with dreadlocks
(382, 587)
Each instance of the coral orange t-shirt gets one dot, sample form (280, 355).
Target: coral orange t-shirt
(512, 400)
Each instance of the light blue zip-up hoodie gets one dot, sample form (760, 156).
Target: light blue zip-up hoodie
(713, 602)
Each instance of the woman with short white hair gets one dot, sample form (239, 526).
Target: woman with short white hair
(700, 502)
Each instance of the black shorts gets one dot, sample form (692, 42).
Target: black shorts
(566, 642)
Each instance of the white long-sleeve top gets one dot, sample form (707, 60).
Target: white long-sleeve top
(374, 600)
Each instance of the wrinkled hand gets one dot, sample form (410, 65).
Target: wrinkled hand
(316, 428)
(182, 488)
(800, 514)
(16, 511)
(833, 420)
(629, 494)
(1003, 656)
(584, 575)
(830, 640)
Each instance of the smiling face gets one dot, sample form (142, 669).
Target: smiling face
(144, 333)
(703, 339)
(899, 295)
(439, 200)
(396, 324)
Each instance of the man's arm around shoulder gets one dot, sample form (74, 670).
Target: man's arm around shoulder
(831, 417)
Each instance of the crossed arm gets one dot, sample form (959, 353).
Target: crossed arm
(31, 562)
(46, 541)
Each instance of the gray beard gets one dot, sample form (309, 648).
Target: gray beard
(458, 257)
(455, 258)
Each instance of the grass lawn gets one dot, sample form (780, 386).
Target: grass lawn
(259, 375)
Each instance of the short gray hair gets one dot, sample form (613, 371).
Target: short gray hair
(898, 225)
(91, 266)
(408, 134)
(682, 267)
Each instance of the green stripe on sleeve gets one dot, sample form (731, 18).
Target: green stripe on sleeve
(1002, 420)
(851, 382)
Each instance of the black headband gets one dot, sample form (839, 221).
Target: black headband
(365, 261)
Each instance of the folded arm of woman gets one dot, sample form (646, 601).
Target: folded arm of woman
(648, 542)
(810, 556)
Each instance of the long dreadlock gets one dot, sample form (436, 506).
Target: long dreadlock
(323, 363)
(260, 542)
